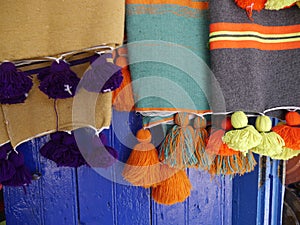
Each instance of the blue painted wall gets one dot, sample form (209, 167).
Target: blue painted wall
(65, 196)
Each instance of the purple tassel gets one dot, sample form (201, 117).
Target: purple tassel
(103, 76)
(101, 155)
(63, 150)
(14, 85)
(7, 169)
(22, 175)
(59, 81)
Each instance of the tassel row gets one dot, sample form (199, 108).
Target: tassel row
(226, 151)
(58, 80)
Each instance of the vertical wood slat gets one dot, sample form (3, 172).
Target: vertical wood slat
(132, 203)
(49, 200)
(102, 201)
(209, 203)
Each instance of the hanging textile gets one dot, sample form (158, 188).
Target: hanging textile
(42, 115)
(30, 29)
(166, 38)
(256, 62)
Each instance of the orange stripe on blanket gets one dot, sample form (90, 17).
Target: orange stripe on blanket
(254, 27)
(186, 3)
(254, 44)
(171, 110)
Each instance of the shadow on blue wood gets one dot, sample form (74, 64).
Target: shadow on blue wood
(258, 196)
(50, 200)
(65, 196)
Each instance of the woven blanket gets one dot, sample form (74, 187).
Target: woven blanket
(168, 55)
(257, 62)
(31, 29)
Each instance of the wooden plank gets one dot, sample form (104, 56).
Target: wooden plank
(132, 203)
(95, 195)
(49, 200)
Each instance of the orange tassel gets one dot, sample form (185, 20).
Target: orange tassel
(250, 5)
(173, 190)
(291, 131)
(123, 96)
(143, 167)
(227, 161)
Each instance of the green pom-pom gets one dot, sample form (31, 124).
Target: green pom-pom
(242, 140)
(271, 144)
(287, 153)
(239, 120)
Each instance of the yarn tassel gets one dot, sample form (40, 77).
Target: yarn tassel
(101, 154)
(250, 5)
(201, 137)
(14, 85)
(173, 190)
(63, 150)
(291, 131)
(7, 169)
(244, 136)
(123, 96)
(22, 175)
(227, 161)
(177, 149)
(271, 143)
(103, 76)
(286, 154)
(58, 81)
(143, 167)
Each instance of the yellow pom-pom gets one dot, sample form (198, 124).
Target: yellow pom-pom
(263, 123)
(239, 120)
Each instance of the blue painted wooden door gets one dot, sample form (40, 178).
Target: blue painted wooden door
(66, 196)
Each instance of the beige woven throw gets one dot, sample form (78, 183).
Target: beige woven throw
(30, 29)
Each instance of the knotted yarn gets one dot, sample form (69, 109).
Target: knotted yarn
(177, 149)
(143, 167)
(173, 190)
(272, 143)
(15, 84)
(290, 132)
(201, 137)
(58, 81)
(244, 136)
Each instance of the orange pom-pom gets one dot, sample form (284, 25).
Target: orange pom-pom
(121, 61)
(254, 4)
(142, 167)
(226, 124)
(290, 134)
(250, 5)
(292, 118)
(144, 135)
(122, 51)
(173, 190)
